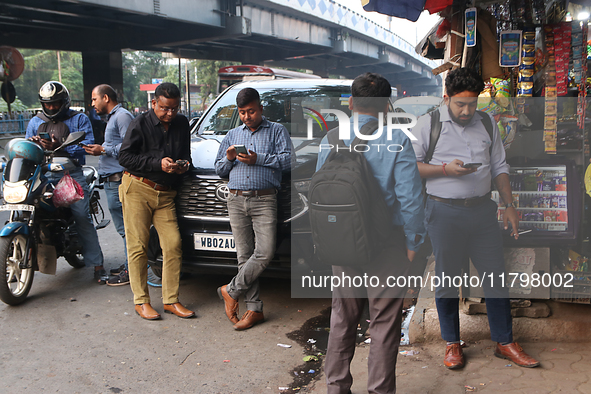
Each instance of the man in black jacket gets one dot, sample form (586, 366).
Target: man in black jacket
(155, 153)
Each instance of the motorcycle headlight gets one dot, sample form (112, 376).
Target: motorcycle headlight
(15, 194)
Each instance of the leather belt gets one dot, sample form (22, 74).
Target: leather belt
(116, 177)
(153, 185)
(251, 193)
(464, 202)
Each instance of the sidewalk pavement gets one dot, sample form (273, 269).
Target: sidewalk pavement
(561, 342)
(565, 368)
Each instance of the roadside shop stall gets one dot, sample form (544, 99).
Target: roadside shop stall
(532, 55)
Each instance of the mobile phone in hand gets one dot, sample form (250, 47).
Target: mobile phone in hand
(82, 145)
(44, 136)
(241, 149)
(181, 163)
(471, 165)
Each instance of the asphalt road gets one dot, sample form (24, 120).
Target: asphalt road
(75, 336)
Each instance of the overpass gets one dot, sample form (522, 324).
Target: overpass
(320, 35)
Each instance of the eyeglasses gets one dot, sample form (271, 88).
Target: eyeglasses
(168, 110)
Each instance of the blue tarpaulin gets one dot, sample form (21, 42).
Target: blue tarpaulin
(407, 9)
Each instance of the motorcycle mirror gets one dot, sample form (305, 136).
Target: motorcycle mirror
(73, 138)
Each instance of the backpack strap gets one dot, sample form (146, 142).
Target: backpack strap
(489, 129)
(434, 136)
(367, 129)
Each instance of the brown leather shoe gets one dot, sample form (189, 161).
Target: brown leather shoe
(146, 312)
(178, 310)
(454, 356)
(515, 353)
(230, 304)
(249, 319)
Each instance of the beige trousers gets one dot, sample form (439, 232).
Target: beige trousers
(142, 207)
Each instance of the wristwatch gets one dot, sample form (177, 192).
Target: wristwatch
(510, 205)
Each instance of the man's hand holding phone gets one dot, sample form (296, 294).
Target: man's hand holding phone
(456, 168)
(46, 140)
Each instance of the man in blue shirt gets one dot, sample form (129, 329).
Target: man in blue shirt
(397, 174)
(104, 101)
(55, 102)
(254, 156)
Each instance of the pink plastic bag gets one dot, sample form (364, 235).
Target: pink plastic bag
(67, 192)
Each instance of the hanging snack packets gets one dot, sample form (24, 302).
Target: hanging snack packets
(550, 114)
(526, 68)
(502, 93)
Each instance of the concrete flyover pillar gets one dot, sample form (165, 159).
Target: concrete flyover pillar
(102, 67)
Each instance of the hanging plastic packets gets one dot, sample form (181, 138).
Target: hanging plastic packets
(579, 44)
(550, 113)
(562, 42)
(471, 27)
(526, 68)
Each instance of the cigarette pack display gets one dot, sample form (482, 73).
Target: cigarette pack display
(548, 202)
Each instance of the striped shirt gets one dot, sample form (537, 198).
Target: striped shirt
(272, 144)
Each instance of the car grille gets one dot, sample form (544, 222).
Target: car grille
(196, 197)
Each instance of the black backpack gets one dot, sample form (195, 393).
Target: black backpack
(350, 220)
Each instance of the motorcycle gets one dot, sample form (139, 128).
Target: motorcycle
(37, 232)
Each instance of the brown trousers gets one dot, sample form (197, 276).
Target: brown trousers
(385, 311)
(142, 207)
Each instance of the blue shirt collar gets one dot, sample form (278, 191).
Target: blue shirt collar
(115, 108)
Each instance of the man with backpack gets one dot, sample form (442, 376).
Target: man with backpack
(459, 152)
(50, 128)
(395, 173)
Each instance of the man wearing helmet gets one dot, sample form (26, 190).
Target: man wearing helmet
(57, 120)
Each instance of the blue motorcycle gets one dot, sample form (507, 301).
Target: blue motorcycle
(37, 232)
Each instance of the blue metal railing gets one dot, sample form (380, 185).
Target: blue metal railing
(11, 125)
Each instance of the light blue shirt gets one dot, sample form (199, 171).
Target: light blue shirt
(470, 144)
(271, 142)
(78, 122)
(118, 121)
(398, 176)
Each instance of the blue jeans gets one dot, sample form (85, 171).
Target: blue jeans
(458, 234)
(112, 191)
(91, 249)
(252, 218)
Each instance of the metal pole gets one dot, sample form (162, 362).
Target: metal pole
(180, 84)
(187, 85)
(59, 66)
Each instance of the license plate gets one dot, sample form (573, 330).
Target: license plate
(17, 207)
(217, 242)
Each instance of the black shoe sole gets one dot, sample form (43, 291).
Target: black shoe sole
(117, 284)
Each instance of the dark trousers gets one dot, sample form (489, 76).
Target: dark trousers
(458, 234)
(385, 311)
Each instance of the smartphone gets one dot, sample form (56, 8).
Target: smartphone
(241, 149)
(471, 165)
(44, 136)
(82, 145)
(182, 163)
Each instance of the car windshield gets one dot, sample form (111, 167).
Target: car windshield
(291, 107)
(417, 105)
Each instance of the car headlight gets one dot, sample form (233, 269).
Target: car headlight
(15, 194)
(302, 186)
